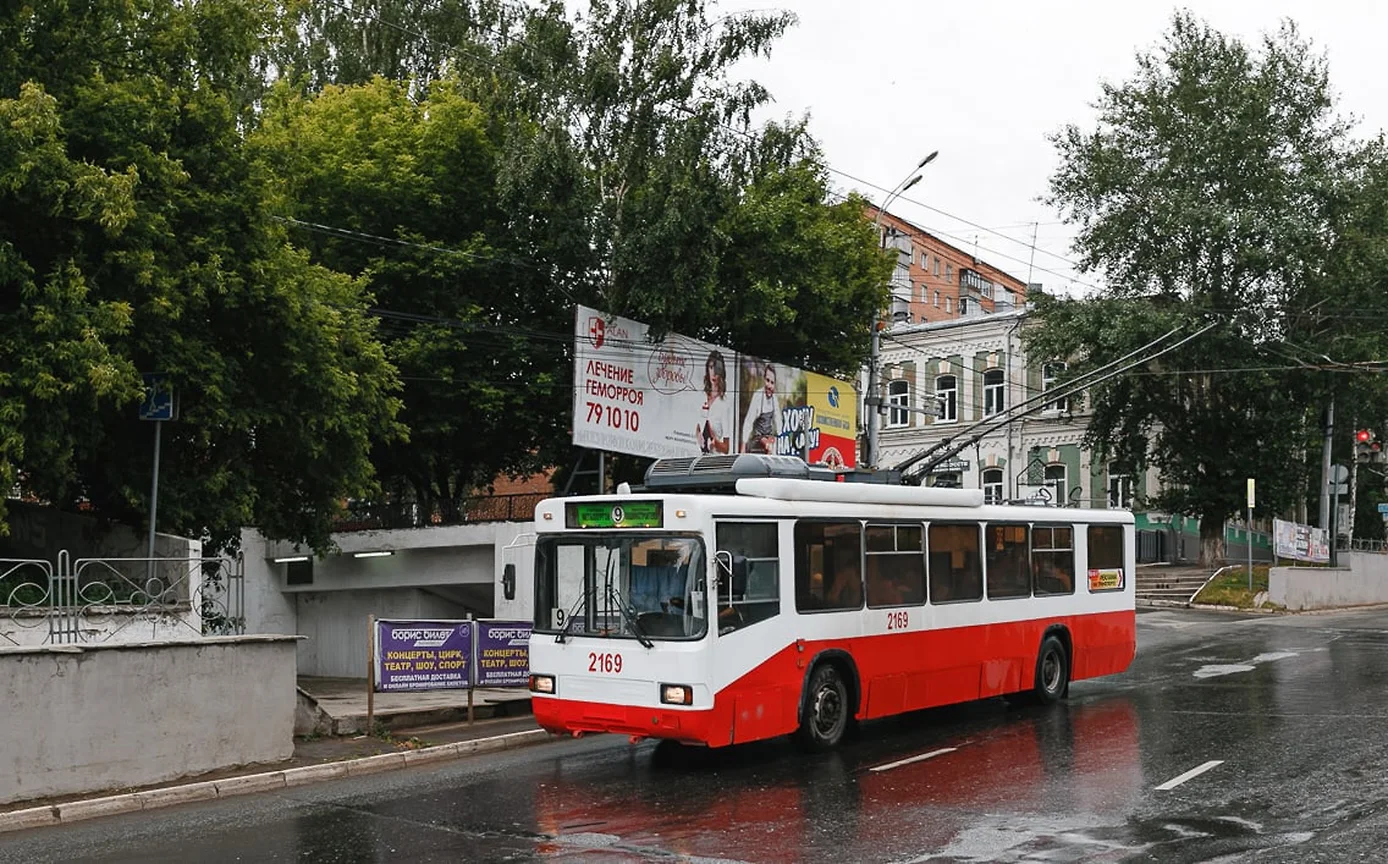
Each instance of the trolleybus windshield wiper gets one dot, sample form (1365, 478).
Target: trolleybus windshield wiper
(629, 617)
(569, 620)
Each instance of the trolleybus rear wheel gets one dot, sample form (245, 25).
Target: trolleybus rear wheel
(1052, 671)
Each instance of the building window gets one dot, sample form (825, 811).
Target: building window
(937, 265)
(994, 395)
(992, 486)
(937, 299)
(1050, 375)
(1057, 482)
(898, 401)
(963, 305)
(1120, 490)
(947, 480)
(949, 272)
(949, 304)
(947, 398)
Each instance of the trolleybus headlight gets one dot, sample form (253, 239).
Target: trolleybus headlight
(676, 694)
(541, 683)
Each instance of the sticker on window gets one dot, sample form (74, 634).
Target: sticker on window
(1106, 579)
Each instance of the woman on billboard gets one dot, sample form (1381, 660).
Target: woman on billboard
(711, 432)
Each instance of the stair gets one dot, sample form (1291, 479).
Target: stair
(1169, 584)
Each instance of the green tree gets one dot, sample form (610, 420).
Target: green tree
(133, 229)
(410, 187)
(604, 160)
(1209, 191)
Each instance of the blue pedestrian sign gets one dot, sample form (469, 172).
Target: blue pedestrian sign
(1383, 508)
(159, 401)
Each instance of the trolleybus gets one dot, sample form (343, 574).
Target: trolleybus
(737, 598)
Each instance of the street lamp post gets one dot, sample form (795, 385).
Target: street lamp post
(872, 399)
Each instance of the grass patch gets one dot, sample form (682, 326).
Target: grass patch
(1230, 588)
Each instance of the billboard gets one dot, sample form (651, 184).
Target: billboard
(683, 397)
(423, 655)
(1301, 542)
(450, 654)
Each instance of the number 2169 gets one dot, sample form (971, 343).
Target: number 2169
(899, 620)
(610, 663)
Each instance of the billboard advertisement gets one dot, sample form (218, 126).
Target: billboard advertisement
(423, 655)
(683, 397)
(503, 653)
(1301, 542)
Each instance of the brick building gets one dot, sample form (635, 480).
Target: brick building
(936, 281)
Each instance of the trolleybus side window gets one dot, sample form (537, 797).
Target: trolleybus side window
(1053, 559)
(895, 565)
(955, 570)
(828, 566)
(1106, 567)
(1009, 570)
(752, 591)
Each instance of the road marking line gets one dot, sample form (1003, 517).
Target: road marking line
(1194, 772)
(921, 758)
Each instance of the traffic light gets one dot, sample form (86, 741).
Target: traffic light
(1367, 447)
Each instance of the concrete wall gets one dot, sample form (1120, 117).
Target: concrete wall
(107, 625)
(1364, 581)
(334, 624)
(94, 718)
(268, 609)
(442, 572)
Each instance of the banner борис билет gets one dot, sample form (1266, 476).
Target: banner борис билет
(503, 653)
(423, 655)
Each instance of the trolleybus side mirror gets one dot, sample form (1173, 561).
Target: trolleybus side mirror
(508, 581)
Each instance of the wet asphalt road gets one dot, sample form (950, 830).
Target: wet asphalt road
(1294, 711)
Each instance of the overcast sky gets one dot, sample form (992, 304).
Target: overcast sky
(984, 82)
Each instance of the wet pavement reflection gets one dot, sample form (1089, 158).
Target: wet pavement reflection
(1265, 736)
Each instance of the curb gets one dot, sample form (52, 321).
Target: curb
(153, 799)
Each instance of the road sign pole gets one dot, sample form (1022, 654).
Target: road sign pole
(1248, 532)
(153, 502)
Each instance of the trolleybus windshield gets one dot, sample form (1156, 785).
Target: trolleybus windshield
(627, 585)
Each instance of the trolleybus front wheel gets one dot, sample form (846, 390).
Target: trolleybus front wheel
(826, 710)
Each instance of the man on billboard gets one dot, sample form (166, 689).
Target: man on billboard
(761, 425)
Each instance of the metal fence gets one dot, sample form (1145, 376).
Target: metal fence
(89, 600)
(374, 516)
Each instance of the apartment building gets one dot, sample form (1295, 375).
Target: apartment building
(937, 281)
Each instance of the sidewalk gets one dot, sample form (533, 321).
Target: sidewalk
(338, 706)
(315, 759)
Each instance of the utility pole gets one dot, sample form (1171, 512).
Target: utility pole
(1353, 493)
(1325, 467)
(873, 399)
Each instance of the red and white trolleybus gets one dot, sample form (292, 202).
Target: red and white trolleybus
(736, 598)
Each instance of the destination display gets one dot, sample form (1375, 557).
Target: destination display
(628, 514)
